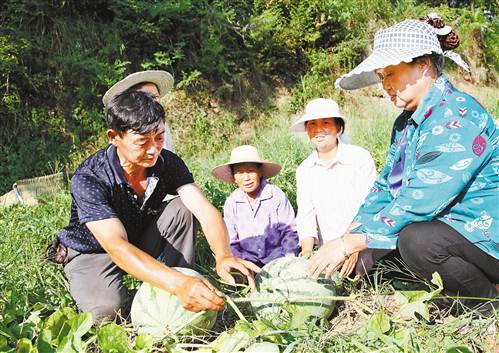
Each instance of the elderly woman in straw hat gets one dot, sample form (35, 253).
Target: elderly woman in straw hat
(436, 199)
(258, 215)
(333, 181)
(157, 83)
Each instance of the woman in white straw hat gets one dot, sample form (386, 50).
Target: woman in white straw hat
(333, 181)
(155, 82)
(436, 199)
(258, 215)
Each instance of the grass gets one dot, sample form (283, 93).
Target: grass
(29, 284)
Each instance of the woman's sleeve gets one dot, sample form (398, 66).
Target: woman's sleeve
(379, 195)
(306, 223)
(447, 157)
(366, 178)
(287, 225)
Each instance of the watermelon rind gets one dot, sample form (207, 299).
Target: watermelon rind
(285, 278)
(159, 313)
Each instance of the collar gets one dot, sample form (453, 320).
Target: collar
(343, 156)
(441, 87)
(264, 193)
(114, 161)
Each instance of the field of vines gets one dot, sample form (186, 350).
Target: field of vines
(374, 314)
(243, 72)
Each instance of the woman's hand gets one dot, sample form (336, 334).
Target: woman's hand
(328, 258)
(335, 253)
(228, 263)
(307, 246)
(349, 265)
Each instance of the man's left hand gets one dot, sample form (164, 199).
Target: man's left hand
(228, 263)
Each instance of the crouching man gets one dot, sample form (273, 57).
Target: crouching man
(119, 223)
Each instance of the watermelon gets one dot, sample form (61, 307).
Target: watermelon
(286, 278)
(160, 313)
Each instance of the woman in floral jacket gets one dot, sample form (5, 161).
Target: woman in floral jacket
(436, 199)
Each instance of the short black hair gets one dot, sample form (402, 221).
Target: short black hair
(134, 110)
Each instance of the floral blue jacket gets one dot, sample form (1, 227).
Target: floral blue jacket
(451, 173)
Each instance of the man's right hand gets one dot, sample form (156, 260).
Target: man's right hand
(198, 294)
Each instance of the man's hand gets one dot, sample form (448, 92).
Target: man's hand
(328, 258)
(227, 263)
(198, 294)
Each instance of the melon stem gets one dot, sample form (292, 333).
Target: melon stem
(294, 299)
(235, 308)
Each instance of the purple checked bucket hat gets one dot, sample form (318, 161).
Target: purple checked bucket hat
(402, 42)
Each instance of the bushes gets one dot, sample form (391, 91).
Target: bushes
(58, 57)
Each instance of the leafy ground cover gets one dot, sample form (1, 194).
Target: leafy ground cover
(38, 315)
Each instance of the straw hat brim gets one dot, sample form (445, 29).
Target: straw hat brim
(363, 75)
(223, 172)
(162, 79)
(299, 125)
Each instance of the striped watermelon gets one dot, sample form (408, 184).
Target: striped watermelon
(160, 313)
(286, 278)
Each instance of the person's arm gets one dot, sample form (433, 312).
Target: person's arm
(216, 233)
(195, 294)
(306, 221)
(438, 177)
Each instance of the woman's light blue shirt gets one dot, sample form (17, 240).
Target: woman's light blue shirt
(451, 173)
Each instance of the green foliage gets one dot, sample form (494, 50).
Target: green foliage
(57, 58)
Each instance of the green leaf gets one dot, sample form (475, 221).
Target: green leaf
(144, 342)
(231, 342)
(113, 339)
(44, 342)
(459, 349)
(245, 326)
(409, 310)
(55, 323)
(81, 324)
(24, 346)
(260, 347)
(437, 280)
(379, 323)
(4, 344)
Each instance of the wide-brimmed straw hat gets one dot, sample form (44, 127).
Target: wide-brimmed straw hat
(244, 154)
(319, 108)
(162, 79)
(402, 42)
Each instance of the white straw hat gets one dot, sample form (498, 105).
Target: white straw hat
(162, 79)
(402, 42)
(244, 154)
(318, 108)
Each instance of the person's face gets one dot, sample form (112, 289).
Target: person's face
(152, 89)
(323, 133)
(247, 177)
(404, 83)
(139, 150)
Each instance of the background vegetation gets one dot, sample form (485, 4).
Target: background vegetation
(58, 57)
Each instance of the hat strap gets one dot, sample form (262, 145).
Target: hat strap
(457, 59)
